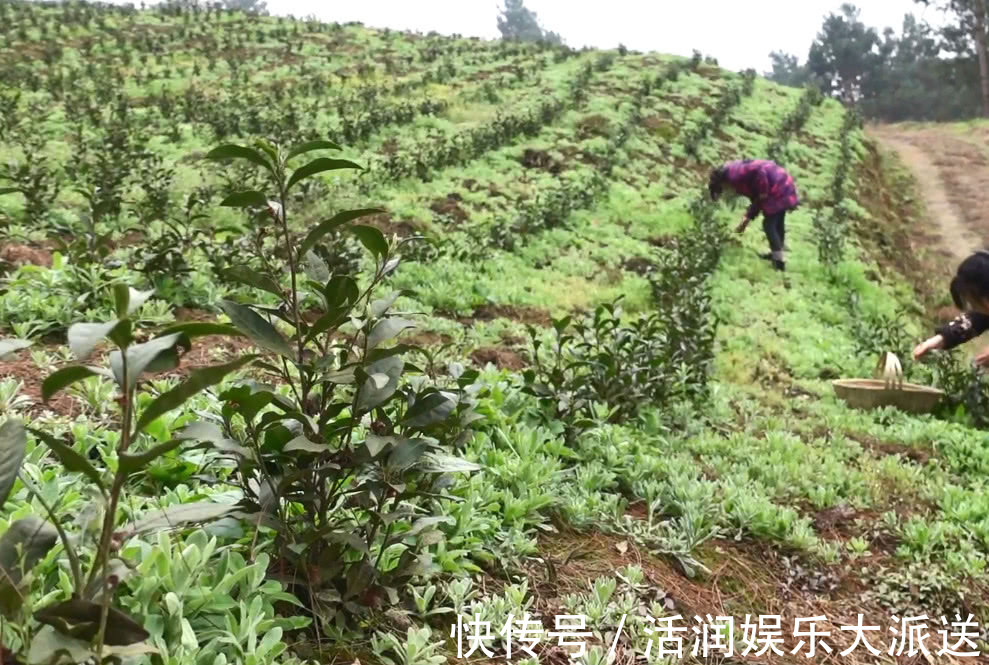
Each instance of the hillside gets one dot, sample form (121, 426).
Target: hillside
(288, 484)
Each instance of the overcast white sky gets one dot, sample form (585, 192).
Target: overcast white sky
(739, 33)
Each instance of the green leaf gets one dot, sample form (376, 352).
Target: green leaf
(13, 441)
(246, 199)
(182, 513)
(201, 430)
(370, 395)
(121, 334)
(434, 462)
(316, 268)
(397, 350)
(421, 565)
(256, 328)
(10, 190)
(372, 239)
(341, 377)
(128, 300)
(248, 399)
(129, 652)
(70, 458)
(195, 329)
(390, 266)
(387, 329)
(25, 542)
(348, 538)
(379, 307)
(230, 151)
(121, 299)
(197, 382)
(375, 444)
(359, 577)
(80, 618)
(340, 291)
(84, 337)
(268, 149)
(49, 647)
(8, 346)
(156, 355)
(134, 463)
(302, 443)
(212, 434)
(319, 165)
(430, 408)
(329, 320)
(310, 146)
(328, 225)
(407, 453)
(252, 278)
(137, 299)
(428, 522)
(64, 377)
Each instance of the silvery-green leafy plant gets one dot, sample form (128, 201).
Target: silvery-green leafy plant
(87, 625)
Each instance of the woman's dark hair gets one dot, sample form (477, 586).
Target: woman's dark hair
(716, 180)
(971, 279)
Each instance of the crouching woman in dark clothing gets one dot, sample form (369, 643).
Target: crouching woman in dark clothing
(970, 292)
(771, 191)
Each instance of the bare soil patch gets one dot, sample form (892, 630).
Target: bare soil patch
(386, 224)
(639, 265)
(19, 366)
(592, 125)
(540, 159)
(14, 256)
(522, 313)
(450, 207)
(210, 350)
(747, 578)
(500, 357)
(883, 448)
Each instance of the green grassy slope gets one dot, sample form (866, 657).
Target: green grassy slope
(545, 183)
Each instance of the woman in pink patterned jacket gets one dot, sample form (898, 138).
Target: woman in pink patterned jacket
(772, 192)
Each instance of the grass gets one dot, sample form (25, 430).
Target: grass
(772, 497)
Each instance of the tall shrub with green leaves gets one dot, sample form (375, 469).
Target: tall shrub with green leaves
(345, 461)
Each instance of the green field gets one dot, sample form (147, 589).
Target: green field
(538, 374)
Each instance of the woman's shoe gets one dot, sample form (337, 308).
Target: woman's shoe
(779, 265)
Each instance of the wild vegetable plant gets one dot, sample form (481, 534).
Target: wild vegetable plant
(600, 368)
(344, 461)
(87, 624)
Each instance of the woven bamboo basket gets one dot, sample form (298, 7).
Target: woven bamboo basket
(890, 390)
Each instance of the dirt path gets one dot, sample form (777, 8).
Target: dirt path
(952, 172)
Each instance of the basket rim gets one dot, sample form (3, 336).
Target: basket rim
(879, 384)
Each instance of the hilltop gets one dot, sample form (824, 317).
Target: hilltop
(609, 405)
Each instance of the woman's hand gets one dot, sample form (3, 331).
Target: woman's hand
(935, 342)
(982, 360)
(741, 227)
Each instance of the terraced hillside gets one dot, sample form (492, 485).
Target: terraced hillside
(532, 371)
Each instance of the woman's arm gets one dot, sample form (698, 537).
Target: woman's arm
(962, 328)
(753, 210)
